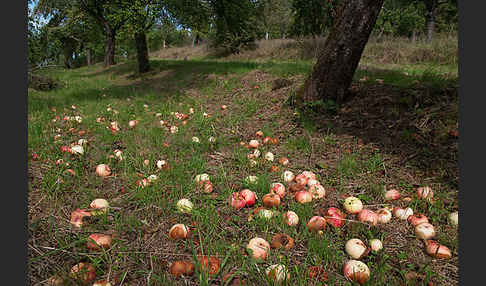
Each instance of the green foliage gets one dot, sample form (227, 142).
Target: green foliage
(401, 18)
(235, 24)
(275, 17)
(312, 17)
(404, 17)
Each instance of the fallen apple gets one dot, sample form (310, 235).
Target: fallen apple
(282, 240)
(271, 200)
(335, 217)
(259, 248)
(357, 271)
(375, 244)
(279, 189)
(83, 272)
(368, 216)
(288, 176)
(211, 263)
(353, 205)
(77, 217)
(303, 197)
(277, 273)
(291, 218)
(434, 249)
(99, 206)
(178, 231)
(392, 195)
(103, 170)
(249, 197)
(98, 241)
(384, 215)
(317, 191)
(184, 206)
(356, 248)
(316, 223)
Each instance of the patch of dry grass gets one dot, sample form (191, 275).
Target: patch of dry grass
(385, 50)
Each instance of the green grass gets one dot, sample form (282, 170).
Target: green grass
(141, 216)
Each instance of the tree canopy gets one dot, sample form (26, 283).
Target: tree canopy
(80, 31)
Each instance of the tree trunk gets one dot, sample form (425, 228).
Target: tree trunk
(142, 52)
(430, 19)
(333, 73)
(163, 43)
(68, 56)
(431, 7)
(109, 46)
(88, 56)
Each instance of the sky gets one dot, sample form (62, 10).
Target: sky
(42, 20)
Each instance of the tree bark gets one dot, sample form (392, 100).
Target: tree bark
(68, 59)
(68, 49)
(333, 73)
(109, 46)
(431, 6)
(414, 36)
(142, 52)
(88, 56)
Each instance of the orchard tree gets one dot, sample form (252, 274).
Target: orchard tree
(142, 15)
(337, 61)
(69, 26)
(194, 15)
(111, 15)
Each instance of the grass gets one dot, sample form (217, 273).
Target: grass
(351, 153)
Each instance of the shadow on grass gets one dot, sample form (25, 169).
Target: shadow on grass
(167, 78)
(183, 68)
(411, 117)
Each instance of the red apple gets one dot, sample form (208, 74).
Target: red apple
(417, 219)
(303, 197)
(301, 179)
(316, 223)
(368, 216)
(248, 196)
(279, 189)
(335, 217)
(392, 195)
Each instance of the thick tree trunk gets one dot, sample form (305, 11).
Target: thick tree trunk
(109, 46)
(142, 52)
(333, 73)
